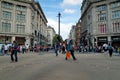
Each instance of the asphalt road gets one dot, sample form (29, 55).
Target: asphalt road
(46, 66)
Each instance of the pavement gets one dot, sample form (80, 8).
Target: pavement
(47, 66)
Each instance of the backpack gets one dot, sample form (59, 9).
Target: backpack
(110, 48)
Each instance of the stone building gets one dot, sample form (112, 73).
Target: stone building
(72, 33)
(78, 33)
(50, 34)
(23, 21)
(100, 21)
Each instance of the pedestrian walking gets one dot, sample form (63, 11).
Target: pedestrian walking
(70, 48)
(119, 50)
(27, 48)
(110, 49)
(63, 49)
(2, 49)
(6, 49)
(56, 48)
(23, 49)
(105, 46)
(14, 56)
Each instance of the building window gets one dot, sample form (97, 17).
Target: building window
(115, 5)
(20, 28)
(6, 27)
(21, 8)
(7, 5)
(20, 17)
(6, 15)
(102, 17)
(116, 27)
(101, 7)
(102, 28)
(115, 14)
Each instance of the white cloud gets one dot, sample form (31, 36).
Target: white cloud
(71, 2)
(71, 11)
(64, 28)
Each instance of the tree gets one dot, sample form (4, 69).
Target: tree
(57, 39)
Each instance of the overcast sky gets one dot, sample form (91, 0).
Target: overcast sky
(70, 14)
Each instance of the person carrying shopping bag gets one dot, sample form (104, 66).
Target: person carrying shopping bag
(70, 48)
(68, 55)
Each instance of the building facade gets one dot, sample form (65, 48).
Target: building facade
(23, 21)
(78, 33)
(50, 34)
(100, 21)
(72, 33)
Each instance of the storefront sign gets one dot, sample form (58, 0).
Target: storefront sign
(102, 39)
(117, 38)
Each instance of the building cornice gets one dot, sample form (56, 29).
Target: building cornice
(88, 5)
(41, 11)
(92, 2)
(32, 3)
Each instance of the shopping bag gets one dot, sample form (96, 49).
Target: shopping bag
(68, 54)
(11, 49)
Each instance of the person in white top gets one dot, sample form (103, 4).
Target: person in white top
(105, 47)
(5, 48)
(27, 47)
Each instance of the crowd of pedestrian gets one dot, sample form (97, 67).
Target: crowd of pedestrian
(97, 49)
(64, 47)
(105, 48)
(6, 48)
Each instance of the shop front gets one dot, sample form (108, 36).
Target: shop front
(116, 41)
(5, 39)
(20, 40)
(101, 40)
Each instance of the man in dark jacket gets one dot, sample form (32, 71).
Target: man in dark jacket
(110, 49)
(14, 52)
